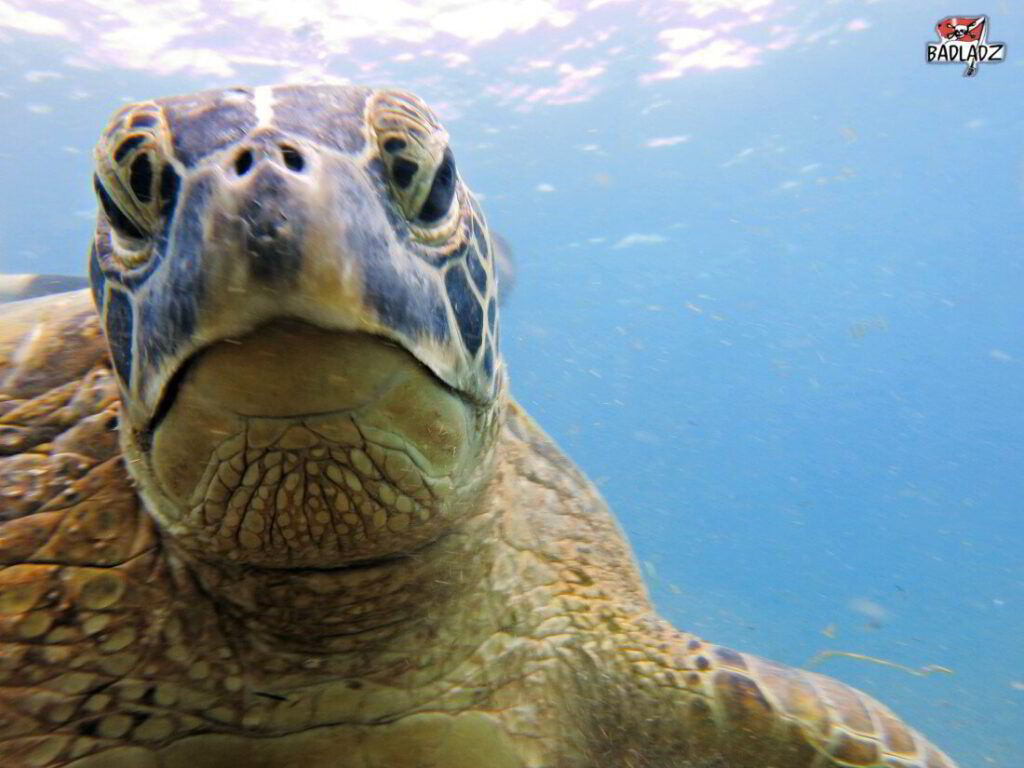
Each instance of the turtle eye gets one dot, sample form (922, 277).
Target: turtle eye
(425, 191)
(442, 190)
(117, 218)
(403, 171)
(170, 181)
(137, 182)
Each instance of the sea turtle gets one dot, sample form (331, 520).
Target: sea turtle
(266, 501)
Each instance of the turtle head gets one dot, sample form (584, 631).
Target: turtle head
(300, 301)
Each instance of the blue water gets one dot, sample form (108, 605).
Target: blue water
(785, 340)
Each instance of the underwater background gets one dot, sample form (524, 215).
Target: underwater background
(770, 289)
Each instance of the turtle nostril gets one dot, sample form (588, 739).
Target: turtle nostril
(292, 158)
(243, 162)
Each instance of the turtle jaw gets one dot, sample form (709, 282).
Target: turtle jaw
(278, 397)
(297, 447)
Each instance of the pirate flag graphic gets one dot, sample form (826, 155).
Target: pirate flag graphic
(964, 40)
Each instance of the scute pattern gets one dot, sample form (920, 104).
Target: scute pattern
(120, 333)
(466, 306)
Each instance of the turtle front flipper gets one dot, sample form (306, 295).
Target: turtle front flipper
(753, 712)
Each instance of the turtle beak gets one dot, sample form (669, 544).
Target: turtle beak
(274, 224)
(273, 190)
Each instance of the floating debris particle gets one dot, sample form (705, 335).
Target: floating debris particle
(930, 669)
(875, 613)
(639, 238)
(667, 141)
(873, 325)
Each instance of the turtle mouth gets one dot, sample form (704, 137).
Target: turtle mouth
(293, 447)
(172, 388)
(168, 397)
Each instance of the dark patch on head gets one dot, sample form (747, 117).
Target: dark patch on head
(488, 361)
(274, 223)
(119, 334)
(477, 272)
(97, 280)
(394, 145)
(141, 178)
(438, 315)
(206, 122)
(127, 146)
(403, 297)
(442, 190)
(467, 310)
(402, 171)
(143, 121)
(329, 114)
(168, 312)
(170, 182)
(492, 314)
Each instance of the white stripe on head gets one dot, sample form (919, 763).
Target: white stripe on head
(263, 101)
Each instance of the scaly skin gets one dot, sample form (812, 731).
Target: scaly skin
(523, 637)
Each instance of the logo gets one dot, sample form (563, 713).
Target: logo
(964, 40)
